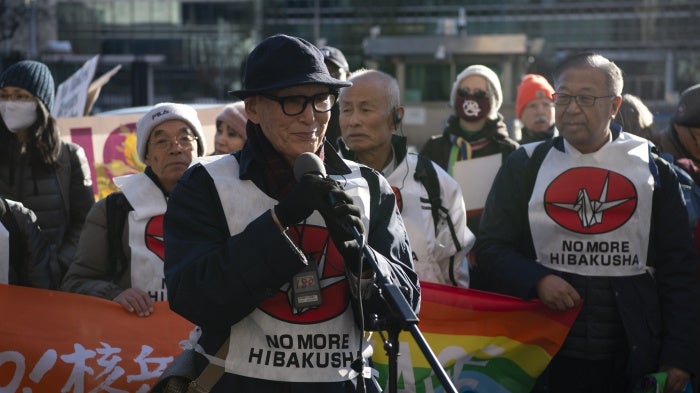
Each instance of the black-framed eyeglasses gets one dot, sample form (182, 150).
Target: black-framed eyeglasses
(165, 143)
(477, 93)
(294, 105)
(582, 100)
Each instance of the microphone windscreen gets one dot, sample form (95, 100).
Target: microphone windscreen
(308, 163)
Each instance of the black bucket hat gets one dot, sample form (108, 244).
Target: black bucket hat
(282, 61)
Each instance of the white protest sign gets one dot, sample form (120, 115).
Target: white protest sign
(476, 176)
(71, 95)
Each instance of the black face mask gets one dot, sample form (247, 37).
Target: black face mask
(471, 107)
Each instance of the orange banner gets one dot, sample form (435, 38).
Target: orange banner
(61, 342)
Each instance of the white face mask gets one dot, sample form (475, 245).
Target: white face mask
(18, 115)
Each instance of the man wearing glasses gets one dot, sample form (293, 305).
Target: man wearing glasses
(259, 246)
(594, 216)
(120, 253)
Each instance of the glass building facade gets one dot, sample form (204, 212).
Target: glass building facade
(203, 44)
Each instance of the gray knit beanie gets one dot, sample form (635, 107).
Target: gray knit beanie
(33, 77)
(491, 78)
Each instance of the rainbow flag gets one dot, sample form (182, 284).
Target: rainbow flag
(486, 342)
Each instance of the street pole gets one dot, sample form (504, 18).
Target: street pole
(33, 53)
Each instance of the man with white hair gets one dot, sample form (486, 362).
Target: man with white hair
(120, 253)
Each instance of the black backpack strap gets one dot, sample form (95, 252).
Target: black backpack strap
(535, 162)
(426, 174)
(118, 208)
(17, 250)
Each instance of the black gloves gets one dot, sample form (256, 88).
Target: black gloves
(314, 192)
(340, 217)
(309, 194)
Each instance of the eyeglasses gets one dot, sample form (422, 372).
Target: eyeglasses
(478, 94)
(294, 105)
(582, 100)
(165, 144)
(16, 97)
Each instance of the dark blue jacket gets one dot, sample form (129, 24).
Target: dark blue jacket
(215, 279)
(659, 313)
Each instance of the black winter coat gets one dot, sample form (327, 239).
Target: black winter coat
(658, 313)
(29, 255)
(60, 196)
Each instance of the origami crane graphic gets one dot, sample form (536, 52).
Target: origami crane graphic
(590, 212)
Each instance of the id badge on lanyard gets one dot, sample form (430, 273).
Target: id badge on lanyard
(306, 290)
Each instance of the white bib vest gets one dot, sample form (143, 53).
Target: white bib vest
(4, 254)
(428, 251)
(145, 233)
(590, 213)
(276, 341)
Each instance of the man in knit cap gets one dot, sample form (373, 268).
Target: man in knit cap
(120, 253)
(476, 128)
(534, 107)
(230, 129)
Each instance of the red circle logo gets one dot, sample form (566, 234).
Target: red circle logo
(316, 243)
(590, 200)
(154, 236)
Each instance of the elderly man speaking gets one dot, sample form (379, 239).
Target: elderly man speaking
(260, 250)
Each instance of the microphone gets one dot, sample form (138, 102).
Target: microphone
(308, 163)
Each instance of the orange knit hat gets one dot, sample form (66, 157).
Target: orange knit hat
(532, 87)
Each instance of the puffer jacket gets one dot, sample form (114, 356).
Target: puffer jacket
(28, 257)
(60, 196)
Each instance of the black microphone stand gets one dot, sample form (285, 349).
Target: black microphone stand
(401, 318)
